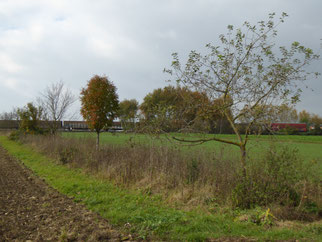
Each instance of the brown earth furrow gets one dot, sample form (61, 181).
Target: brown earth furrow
(30, 210)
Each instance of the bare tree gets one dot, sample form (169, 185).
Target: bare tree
(248, 73)
(12, 115)
(56, 99)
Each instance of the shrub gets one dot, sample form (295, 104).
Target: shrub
(275, 179)
(29, 117)
(66, 155)
(15, 135)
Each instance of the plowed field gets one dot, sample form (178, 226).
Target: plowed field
(30, 210)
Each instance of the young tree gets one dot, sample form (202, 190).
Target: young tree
(56, 99)
(29, 117)
(128, 113)
(248, 72)
(100, 104)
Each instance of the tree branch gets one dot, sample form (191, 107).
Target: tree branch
(201, 141)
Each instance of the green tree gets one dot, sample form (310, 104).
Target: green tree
(176, 108)
(100, 104)
(161, 98)
(159, 109)
(128, 113)
(248, 72)
(29, 117)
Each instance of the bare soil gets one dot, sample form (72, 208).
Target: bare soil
(31, 210)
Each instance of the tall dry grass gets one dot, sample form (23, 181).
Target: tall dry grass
(190, 177)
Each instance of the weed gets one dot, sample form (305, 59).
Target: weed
(66, 155)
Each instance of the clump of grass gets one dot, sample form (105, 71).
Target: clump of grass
(281, 180)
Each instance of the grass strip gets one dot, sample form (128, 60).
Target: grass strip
(144, 215)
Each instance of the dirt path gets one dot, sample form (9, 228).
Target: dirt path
(30, 210)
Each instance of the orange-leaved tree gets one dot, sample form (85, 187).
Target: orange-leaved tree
(100, 104)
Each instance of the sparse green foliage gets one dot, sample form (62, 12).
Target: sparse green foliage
(247, 72)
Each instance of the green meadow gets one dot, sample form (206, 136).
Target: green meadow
(309, 147)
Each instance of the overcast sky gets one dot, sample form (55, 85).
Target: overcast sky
(131, 41)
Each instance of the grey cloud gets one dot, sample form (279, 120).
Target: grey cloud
(130, 41)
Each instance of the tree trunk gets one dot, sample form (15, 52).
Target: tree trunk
(220, 127)
(243, 159)
(98, 141)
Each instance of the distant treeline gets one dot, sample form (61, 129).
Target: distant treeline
(219, 127)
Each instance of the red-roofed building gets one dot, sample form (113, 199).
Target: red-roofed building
(299, 127)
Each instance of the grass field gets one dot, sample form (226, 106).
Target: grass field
(147, 215)
(309, 147)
